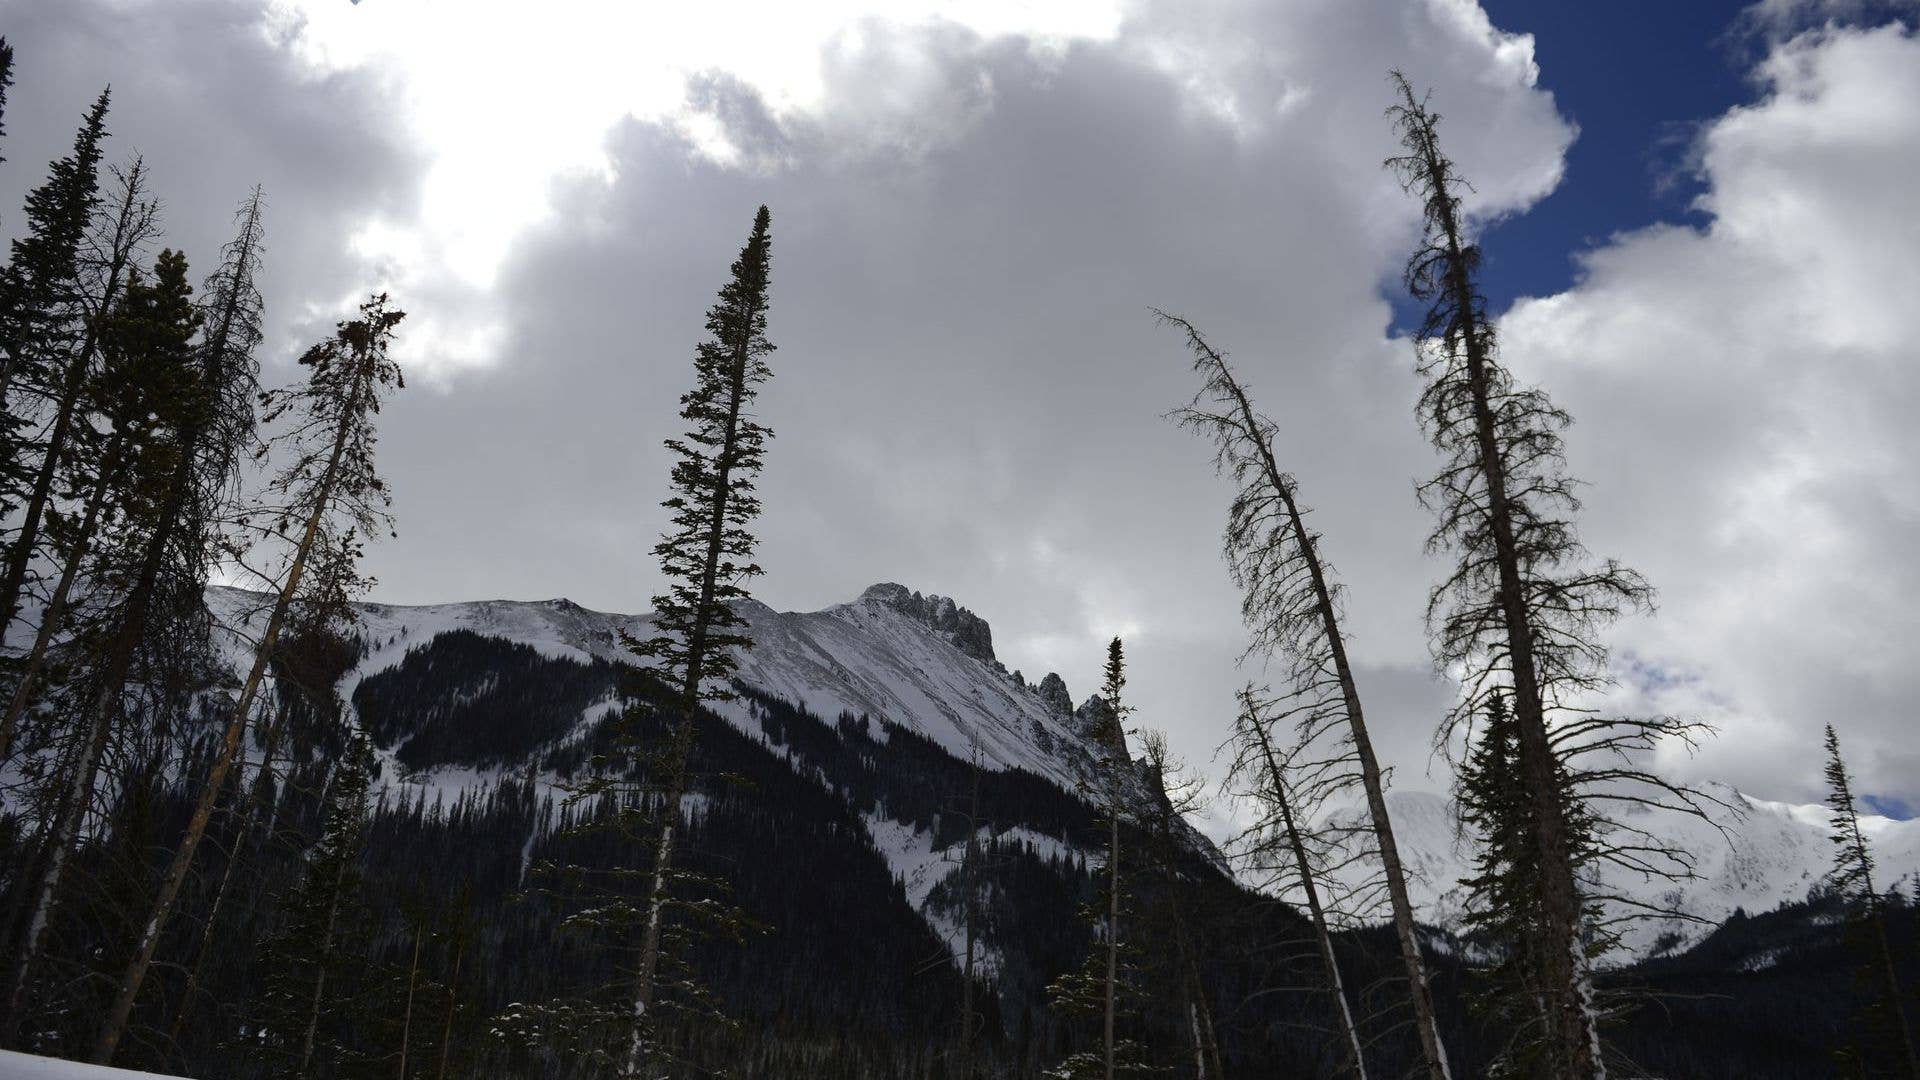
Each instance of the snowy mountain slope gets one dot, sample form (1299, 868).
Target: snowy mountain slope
(1769, 854)
(883, 655)
(921, 662)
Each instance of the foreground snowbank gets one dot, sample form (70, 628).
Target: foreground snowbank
(27, 1067)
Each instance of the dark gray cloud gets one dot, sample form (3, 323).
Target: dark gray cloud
(214, 105)
(969, 387)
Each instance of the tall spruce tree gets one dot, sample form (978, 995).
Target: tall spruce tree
(1520, 614)
(1292, 606)
(706, 556)
(330, 496)
(93, 436)
(314, 968)
(1107, 985)
(6, 83)
(1886, 1041)
(1504, 915)
(147, 388)
(1172, 919)
(41, 317)
(105, 260)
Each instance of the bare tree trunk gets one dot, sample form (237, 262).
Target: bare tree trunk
(242, 843)
(1113, 929)
(453, 999)
(1575, 1033)
(320, 976)
(114, 1027)
(1206, 1049)
(406, 1015)
(1426, 1026)
(1276, 781)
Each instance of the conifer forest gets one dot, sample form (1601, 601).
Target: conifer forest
(1229, 355)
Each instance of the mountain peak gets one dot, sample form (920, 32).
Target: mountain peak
(968, 632)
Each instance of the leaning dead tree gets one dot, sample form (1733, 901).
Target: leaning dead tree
(1281, 847)
(333, 497)
(1292, 608)
(1519, 615)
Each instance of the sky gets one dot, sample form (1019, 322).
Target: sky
(1702, 238)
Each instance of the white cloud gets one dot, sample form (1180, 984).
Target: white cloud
(1747, 395)
(505, 97)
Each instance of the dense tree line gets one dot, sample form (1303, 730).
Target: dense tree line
(130, 406)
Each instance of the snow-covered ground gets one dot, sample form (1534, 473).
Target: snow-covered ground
(27, 1067)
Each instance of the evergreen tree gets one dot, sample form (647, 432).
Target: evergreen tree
(106, 415)
(315, 969)
(1504, 914)
(146, 388)
(1172, 919)
(330, 497)
(706, 557)
(1292, 606)
(1887, 1034)
(972, 856)
(103, 264)
(1520, 614)
(40, 312)
(6, 82)
(1108, 984)
(153, 554)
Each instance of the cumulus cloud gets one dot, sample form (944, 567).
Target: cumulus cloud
(214, 104)
(1746, 394)
(970, 230)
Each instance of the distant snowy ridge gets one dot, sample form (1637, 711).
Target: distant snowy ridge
(1770, 853)
(920, 661)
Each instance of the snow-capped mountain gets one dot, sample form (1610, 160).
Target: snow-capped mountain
(893, 655)
(920, 661)
(1751, 855)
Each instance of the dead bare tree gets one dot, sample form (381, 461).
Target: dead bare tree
(1280, 848)
(1291, 606)
(1519, 615)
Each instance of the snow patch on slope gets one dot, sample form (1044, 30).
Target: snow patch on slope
(920, 867)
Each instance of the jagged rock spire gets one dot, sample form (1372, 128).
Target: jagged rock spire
(968, 632)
